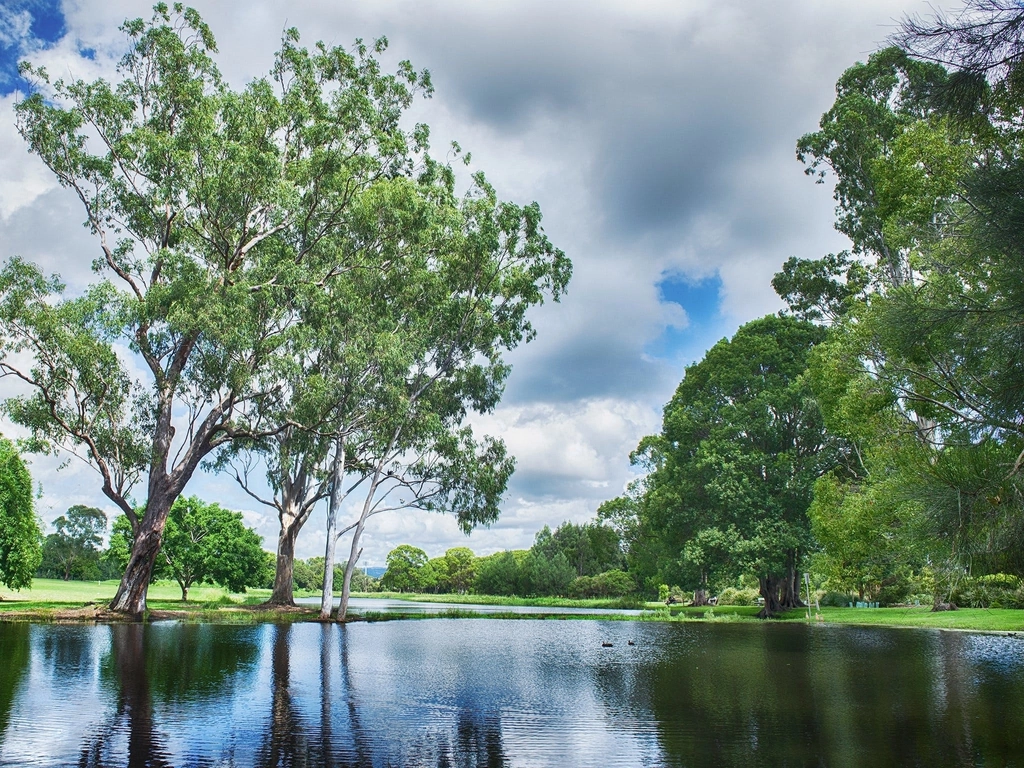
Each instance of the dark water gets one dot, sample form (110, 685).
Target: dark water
(507, 693)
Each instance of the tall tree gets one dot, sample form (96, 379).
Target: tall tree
(20, 550)
(460, 569)
(418, 363)
(211, 208)
(859, 141)
(391, 356)
(932, 349)
(733, 469)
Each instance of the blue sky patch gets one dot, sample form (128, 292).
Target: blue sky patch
(702, 300)
(26, 26)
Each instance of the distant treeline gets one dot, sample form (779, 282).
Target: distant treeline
(576, 560)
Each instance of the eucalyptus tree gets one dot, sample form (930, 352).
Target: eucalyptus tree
(293, 470)
(859, 140)
(211, 208)
(467, 283)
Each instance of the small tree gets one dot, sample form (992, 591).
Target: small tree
(499, 574)
(460, 568)
(20, 550)
(205, 543)
(404, 565)
(73, 550)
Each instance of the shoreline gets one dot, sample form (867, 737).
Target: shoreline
(54, 601)
(1006, 622)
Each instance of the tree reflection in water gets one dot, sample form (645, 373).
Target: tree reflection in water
(480, 693)
(133, 714)
(332, 730)
(836, 696)
(14, 651)
(180, 668)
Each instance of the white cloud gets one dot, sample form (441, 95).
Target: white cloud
(658, 138)
(24, 178)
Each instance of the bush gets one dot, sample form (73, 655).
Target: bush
(613, 583)
(734, 596)
(836, 600)
(893, 590)
(994, 590)
(581, 587)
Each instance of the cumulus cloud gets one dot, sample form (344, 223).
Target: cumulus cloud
(658, 139)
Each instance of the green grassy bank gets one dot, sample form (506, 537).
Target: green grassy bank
(541, 602)
(54, 600)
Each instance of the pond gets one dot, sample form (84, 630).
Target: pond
(363, 605)
(487, 692)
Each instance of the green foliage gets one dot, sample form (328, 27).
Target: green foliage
(832, 599)
(460, 569)
(869, 537)
(292, 235)
(995, 590)
(305, 576)
(72, 552)
(861, 140)
(614, 583)
(546, 575)
(405, 564)
(591, 548)
(916, 373)
(500, 574)
(738, 596)
(821, 289)
(20, 546)
(732, 472)
(202, 543)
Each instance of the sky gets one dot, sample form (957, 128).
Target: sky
(658, 138)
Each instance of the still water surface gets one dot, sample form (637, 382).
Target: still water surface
(472, 692)
(362, 605)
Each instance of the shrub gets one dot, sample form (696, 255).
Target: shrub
(581, 587)
(994, 590)
(613, 583)
(893, 590)
(835, 600)
(734, 596)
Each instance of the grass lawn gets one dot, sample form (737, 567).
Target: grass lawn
(980, 619)
(543, 602)
(984, 619)
(48, 596)
(55, 594)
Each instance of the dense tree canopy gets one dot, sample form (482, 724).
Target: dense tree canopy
(927, 164)
(405, 564)
(73, 550)
(732, 472)
(203, 543)
(251, 241)
(20, 550)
